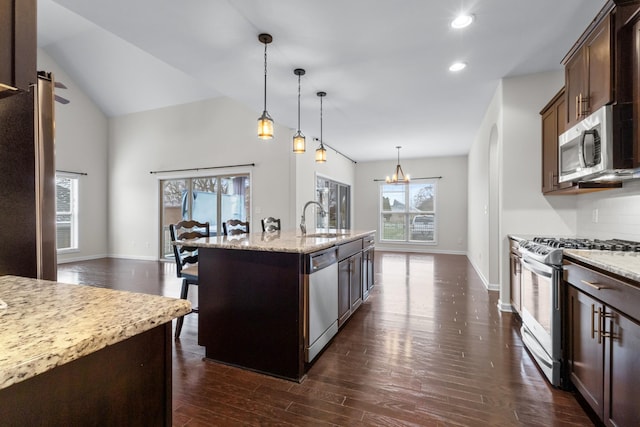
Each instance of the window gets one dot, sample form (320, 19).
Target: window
(335, 198)
(408, 212)
(212, 199)
(66, 213)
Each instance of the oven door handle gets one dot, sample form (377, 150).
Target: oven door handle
(530, 266)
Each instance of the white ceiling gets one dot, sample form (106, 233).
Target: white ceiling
(383, 63)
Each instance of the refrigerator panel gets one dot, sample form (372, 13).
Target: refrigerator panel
(45, 171)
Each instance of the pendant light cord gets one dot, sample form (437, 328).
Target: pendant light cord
(298, 102)
(321, 146)
(265, 77)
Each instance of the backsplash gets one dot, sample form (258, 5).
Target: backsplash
(610, 214)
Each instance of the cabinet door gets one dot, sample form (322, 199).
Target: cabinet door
(598, 52)
(355, 281)
(344, 304)
(585, 354)
(622, 369)
(515, 282)
(576, 81)
(554, 118)
(367, 272)
(18, 43)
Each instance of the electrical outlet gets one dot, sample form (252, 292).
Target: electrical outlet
(594, 215)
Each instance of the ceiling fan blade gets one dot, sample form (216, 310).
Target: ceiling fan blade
(61, 100)
(60, 85)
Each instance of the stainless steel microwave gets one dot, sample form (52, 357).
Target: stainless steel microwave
(585, 151)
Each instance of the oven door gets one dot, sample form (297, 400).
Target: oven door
(541, 320)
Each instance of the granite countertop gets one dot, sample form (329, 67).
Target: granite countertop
(279, 241)
(625, 264)
(46, 324)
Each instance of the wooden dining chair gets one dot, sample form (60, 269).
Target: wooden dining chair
(187, 258)
(235, 226)
(270, 224)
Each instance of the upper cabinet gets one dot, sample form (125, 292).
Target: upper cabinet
(588, 73)
(602, 68)
(553, 124)
(17, 45)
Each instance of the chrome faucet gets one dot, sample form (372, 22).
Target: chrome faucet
(303, 226)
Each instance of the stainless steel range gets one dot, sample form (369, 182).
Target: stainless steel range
(541, 297)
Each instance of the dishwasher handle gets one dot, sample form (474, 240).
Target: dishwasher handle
(320, 260)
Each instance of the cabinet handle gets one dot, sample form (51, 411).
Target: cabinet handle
(595, 286)
(600, 324)
(577, 107)
(593, 322)
(610, 334)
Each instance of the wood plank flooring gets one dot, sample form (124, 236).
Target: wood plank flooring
(428, 348)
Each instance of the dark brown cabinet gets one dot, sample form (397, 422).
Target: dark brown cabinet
(368, 255)
(17, 45)
(350, 279)
(603, 343)
(586, 355)
(588, 73)
(516, 274)
(553, 125)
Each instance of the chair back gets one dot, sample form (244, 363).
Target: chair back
(235, 226)
(185, 230)
(270, 224)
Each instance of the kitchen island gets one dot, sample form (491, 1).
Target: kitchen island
(255, 309)
(83, 355)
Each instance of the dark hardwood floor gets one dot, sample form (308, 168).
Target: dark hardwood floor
(429, 347)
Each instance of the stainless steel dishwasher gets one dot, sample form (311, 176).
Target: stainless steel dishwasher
(321, 301)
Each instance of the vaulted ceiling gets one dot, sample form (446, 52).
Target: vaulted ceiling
(383, 63)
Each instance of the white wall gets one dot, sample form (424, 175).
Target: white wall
(617, 216)
(451, 201)
(337, 168)
(81, 139)
(523, 210)
(479, 179)
(214, 132)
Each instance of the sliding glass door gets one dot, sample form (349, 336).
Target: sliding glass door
(212, 199)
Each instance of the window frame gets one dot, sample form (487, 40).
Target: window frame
(408, 213)
(164, 239)
(340, 213)
(74, 226)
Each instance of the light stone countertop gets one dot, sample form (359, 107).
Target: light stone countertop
(278, 241)
(625, 264)
(47, 324)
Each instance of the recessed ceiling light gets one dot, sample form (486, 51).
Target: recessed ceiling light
(457, 66)
(462, 21)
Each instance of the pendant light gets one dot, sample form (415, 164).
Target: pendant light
(265, 122)
(321, 152)
(399, 176)
(299, 141)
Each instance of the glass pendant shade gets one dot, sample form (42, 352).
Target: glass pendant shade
(265, 126)
(265, 122)
(299, 143)
(321, 154)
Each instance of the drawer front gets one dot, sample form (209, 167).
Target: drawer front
(348, 249)
(368, 241)
(621, 295)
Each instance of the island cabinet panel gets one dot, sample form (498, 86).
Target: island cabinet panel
(251, 309)
(603, 342)
(368, 256)
(125, 384)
